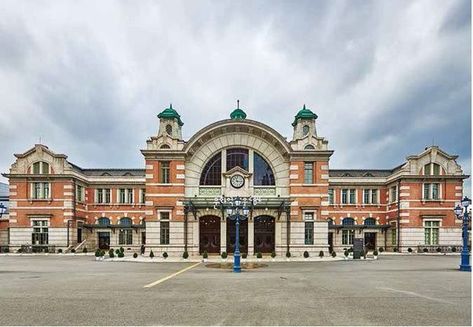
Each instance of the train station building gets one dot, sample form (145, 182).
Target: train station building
(169, 203)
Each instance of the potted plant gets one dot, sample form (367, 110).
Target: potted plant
(165, 255)
(117, 251)
(122, 249)
(381, 249)
(135, 255)
(121, 254)
(454, 249)
(395, 249)
(334, 254)
(409, 250)
(60, 251)
(102, 254)
(439, 250)
(321, 254)
(224, 256)
(346, 253)
(288, 255)
(259, 256)
(151, 254)
(111, 254)
(273, 255)
(306, 255)
(425, 250)
(185, 255)
(98, 254)
(73, 251)
(205, 255)
(375, 254)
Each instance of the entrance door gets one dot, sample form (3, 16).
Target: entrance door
(79, 235)
(264, 234)
(231, 231)
(209, 234)
(370, 241)
(104, 240)
(143, 237)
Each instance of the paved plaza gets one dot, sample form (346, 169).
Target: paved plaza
(394, 290)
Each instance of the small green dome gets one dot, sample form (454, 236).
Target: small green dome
(238, 114)
(304, 113)
(170, 113)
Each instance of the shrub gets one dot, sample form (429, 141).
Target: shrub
(135, 255)
(244, 255)
(97, 253)
(111, 254)
(334, 254)
(122, 249)
(346, 253)
(60, 251)
(20, 250)
(84, 250)
(165, 255)
(321, 254)
(151, 254)
(409, 250)
(205, 255)
(381, 249)
(121, 254)
(224, 255)
(425, 250)
(273, 254)
(102, 253)
(73, 251)
(185, 255)
(259, 255)
(375, 253)
(350, 250)
(288, 254)
(117, 251)
(439, 250)
(454, 249)
(395, 249)
(306, 254)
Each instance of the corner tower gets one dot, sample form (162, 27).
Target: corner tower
(170, 123)
(304, 124)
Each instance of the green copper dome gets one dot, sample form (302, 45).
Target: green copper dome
(304, 113)
(238, 114)
(170, 113)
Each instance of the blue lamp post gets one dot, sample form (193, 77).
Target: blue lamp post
(237, 210)
(462, 213)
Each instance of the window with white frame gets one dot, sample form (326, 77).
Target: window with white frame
(308, 172)
(309, 233)
(348, 196)
(431, 191)
(40, 168)
(431, 232)
(142, 195)
(40, 190)
(393, 193)
(125, 195)
(331, 199)
(432, 169)
(102, 195)
(370, 196)
(40, 234)
(347, 236)
(80, 193)
(129, 195)
(393, 235)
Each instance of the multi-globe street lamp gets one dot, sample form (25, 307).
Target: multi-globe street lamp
(461, 211)
(237, 209)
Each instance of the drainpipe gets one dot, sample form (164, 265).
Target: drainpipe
(186, 213)
(399, 215)
(288, 228)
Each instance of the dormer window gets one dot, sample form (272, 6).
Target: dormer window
(309, 147)
(305, 130)
(432, 169)
(40, 167)
(169, 129)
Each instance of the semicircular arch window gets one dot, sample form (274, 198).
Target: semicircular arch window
(125, 221)
(370, 222)
(309, 147)
(237, 157)
(263, 174)
(348, 221)
(104, 221)
(212, 172)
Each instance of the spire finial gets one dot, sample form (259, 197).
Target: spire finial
(238, 104)
(303, 106)
(170, 105)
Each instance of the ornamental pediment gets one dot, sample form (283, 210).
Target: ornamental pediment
(235, 170)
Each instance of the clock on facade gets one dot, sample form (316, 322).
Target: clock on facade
(237, 181)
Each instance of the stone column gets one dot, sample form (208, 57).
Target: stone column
(278, 241)
(223, 236)
(251, 237)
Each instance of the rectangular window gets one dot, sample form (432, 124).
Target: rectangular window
(370, 196)
(309, 233)
(164, 215)
(40, 190)
(374, 196)
(331, 199)
(80, 193)
(431, 232)
(107, 195)
(164, 172)
(393, 194)
(164, 235)
(431, 191)
(129, 194)
(366, 196)
(36, 168)
(394, 236)
(347, 236)
(125, 237)
(308, 216)
(99, 195)
(121, 195)
(142, 195)
(344, 196)
(436, 169)
(308, 172)
(40, 232)
(352, 196)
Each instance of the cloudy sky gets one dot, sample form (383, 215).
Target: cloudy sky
(386, 78)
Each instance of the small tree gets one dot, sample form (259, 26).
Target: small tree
(375, 253)
(122, 249)
(151, 254)
(110, 253)
(288, 254)
(135, 255)
(409, 250)
(439, 250)
(425, 250)
(224, 255)
(73, 251)
(259, 255)
(121, 254)
(185, 255)
(165, 255)
(306, 254)
(381, 249)
(60, 251)
(321, 254)
(102, 253)
(205, 255)
(273, 254)
(98, 253)
(117, 251)
(334, 254)
(346, 253)
(454, 249)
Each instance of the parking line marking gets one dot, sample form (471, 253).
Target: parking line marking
(171, 276)
(415, 294)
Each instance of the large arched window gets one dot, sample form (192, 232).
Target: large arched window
(348, 221)
(212, 173)
(370, 222)
(40, 167)
(125, 221)
(104, 221)
(263, 174)
(237, 157)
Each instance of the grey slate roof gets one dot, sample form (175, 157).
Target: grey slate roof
(360, 172)
(115, 172)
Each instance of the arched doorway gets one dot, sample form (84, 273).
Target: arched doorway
(264, 234)
(209, 234)
(231, 229)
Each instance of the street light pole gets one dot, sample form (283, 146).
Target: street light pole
(462, 213)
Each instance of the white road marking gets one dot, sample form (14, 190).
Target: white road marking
(171, 276)
(415, 294)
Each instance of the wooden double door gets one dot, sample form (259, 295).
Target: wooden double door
(209, 234)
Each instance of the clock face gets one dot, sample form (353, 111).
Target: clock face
(237, 181)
